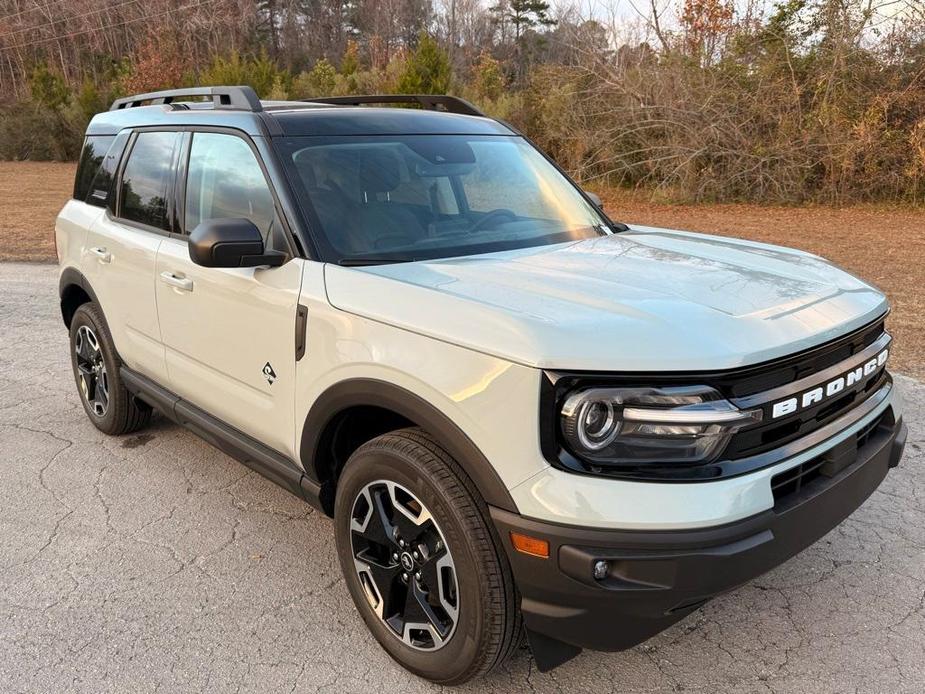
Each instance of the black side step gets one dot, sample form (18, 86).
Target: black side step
(270, 463)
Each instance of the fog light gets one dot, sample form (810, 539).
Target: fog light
(601, 569)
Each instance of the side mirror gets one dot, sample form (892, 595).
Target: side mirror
(230, 243)
(596, 199)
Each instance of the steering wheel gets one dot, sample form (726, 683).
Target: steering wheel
(491, 216)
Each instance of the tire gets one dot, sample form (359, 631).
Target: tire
(410, 470)
(96, 366)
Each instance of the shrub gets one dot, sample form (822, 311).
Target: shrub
(427, 70)
(29, 130)
(319, 81)
(487, 77)
(258, 72)
(48, 88)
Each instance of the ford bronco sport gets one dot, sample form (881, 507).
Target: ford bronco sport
(522, 416)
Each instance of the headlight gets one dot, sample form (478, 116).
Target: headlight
(684, 425)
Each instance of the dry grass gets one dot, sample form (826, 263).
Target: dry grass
(883, 245)
(31, 195)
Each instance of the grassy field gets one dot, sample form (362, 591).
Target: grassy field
(31, 194)
(885, 246)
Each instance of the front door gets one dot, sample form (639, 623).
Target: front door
(229, 333)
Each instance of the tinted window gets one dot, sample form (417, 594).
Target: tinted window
(145, 179)
(91, 157)
(225, 180)
(101, 191)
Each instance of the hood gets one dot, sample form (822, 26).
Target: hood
(643, 300)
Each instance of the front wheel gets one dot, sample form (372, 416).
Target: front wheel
(421, 562)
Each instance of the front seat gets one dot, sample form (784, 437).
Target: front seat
(331, 206)
(382, 224)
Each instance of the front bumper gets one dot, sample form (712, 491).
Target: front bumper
(658, 577)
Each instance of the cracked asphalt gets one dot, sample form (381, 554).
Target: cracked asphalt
(153, 562)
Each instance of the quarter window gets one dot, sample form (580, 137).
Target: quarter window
(226, 181)
(146, 178)
(91, 159)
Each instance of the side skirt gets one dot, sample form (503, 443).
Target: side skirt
(270, 463)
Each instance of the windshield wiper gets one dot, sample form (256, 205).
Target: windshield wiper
(374, 260)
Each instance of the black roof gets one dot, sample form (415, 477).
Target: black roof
(238, 107)
(364, 120)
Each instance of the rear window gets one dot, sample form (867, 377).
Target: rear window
(147, 174)
(91, 158)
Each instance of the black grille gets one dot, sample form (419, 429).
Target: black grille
(767, 437)
(790, 483)
(790, 369)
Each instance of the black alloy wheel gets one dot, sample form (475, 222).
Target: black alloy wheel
(91, 370)
(404, 565)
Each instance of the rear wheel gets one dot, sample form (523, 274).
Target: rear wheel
(111, 408)
(421, 561)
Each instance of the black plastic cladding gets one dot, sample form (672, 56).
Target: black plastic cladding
(731, 384)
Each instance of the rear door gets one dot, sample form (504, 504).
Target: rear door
(120, 253)
(229, 333)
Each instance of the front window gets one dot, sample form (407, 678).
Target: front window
(414, 197)
(225, 181)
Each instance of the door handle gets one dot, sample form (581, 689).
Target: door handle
(102, 254)
(181, 283)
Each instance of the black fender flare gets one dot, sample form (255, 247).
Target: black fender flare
(72, 277)
(373, 392)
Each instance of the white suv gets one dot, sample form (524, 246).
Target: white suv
(521, 415)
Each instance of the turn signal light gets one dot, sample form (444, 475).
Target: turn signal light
(533, 546)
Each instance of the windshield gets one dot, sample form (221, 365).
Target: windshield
(395, 198)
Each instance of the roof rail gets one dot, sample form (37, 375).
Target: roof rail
(452, 104)
(234, 98)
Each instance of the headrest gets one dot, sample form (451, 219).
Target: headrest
(306, 173)
(380, 170)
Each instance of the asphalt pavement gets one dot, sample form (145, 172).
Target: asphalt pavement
(153, 562)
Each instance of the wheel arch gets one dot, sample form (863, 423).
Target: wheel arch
(74, 290)
(379, 407)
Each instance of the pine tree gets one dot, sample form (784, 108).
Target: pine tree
(522, 15)
(428, 69)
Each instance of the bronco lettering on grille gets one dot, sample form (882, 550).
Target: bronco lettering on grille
(827, 390)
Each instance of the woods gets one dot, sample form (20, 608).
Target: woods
(705, 100)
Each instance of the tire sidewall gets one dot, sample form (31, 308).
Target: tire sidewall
(89, 315)
(462, 652)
